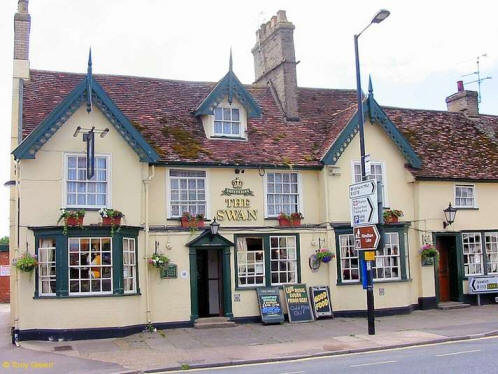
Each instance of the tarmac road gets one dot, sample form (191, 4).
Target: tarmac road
(461, 357)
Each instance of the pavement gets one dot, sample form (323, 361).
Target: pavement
(246, 343)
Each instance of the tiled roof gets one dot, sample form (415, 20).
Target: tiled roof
(449, 144)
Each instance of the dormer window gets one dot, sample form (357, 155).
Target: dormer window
(227, 122)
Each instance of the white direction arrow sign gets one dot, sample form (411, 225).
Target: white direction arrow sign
(363, 203)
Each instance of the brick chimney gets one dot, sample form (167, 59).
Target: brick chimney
(22, 26)
(275, 62)
(463, 101)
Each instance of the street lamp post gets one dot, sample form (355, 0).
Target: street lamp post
(379, 17)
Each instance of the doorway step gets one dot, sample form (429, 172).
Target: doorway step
(447, 305)
(213, 322)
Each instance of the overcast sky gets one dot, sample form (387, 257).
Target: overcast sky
(415, 56)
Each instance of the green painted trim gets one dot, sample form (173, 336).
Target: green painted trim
(226, 87)
(62, 260)
(227, 283)
(86, 296)
(464, 180)
(194, 301)
(378, 116)
(61, 113)
(206, 240)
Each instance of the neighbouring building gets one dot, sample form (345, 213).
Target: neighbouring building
(241, 154)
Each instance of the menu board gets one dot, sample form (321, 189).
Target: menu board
(298, 303)
(269, 305)
(320, 299)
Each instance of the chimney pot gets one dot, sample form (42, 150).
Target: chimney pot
(460, 86)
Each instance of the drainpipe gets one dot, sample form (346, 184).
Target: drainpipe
(327, 219)
(147, 281)
(16, 252)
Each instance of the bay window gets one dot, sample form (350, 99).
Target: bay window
(472, 253)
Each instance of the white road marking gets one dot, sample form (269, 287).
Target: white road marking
(292, 372)
(373, 363)
(458, 353)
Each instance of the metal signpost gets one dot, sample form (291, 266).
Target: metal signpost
(364, 206)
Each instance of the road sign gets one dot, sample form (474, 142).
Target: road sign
(483, 285)
(363, 203)
(369, 255)
(366, 237)
(368, 166)
(367, 188)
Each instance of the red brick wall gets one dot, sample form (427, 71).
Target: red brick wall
(4, 281)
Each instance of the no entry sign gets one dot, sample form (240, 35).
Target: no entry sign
(366, 237)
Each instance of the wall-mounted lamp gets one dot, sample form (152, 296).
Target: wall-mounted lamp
(214, 227)
(449, 214)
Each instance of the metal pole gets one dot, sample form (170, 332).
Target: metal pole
(370, 294)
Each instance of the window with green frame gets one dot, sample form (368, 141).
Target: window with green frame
(480, 253)
(390, 259)
(266, 260)
(86, 262)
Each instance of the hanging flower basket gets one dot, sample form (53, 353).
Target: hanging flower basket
(26, 262)
(324, 255)
(158, 260)
(428, 255)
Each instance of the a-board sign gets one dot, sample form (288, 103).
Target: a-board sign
(298, 303)
(320, 299)
(269, 305)
(483, 285)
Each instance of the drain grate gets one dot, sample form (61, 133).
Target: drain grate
(63, 348)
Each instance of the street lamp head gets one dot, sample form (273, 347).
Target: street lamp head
(381, 16)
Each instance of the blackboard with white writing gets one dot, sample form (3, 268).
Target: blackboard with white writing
(298, 303)
(320, 299)
(269, 305)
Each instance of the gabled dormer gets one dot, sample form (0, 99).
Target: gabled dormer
(225, 111)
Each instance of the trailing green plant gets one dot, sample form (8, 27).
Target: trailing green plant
(150, 327)
(113, 215)
(26, 262)
(67, 215)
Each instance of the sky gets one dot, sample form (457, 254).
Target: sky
(415, 56)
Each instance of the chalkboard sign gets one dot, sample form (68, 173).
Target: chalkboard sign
(320, 299)
(298, 303)
(269, 305)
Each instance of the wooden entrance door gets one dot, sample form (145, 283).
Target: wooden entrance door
(444, 272)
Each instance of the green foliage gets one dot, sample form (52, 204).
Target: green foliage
(4, 240)
(26, 262)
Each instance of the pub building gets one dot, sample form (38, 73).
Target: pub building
(203, 171)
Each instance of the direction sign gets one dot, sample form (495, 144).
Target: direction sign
(367, 188)
(363, 203)
(483, 285)
(366, 237)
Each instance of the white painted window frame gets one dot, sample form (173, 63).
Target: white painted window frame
(240, 122)
(474, 195)
(238, 251)
(478, 254)
(296, 275)
(384, 177)
(108, 176)
(488, 245)
(89, 266)
(300, 196)
(386, 256)
(341, 258)
(133, 266)
(168, 191)
(41, 263)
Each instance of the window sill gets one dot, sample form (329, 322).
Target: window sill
(221, 137)
(86, 296)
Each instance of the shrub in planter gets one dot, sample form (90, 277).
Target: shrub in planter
(71, 218)
(26, 262)
(191, 221)
(392, 215)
